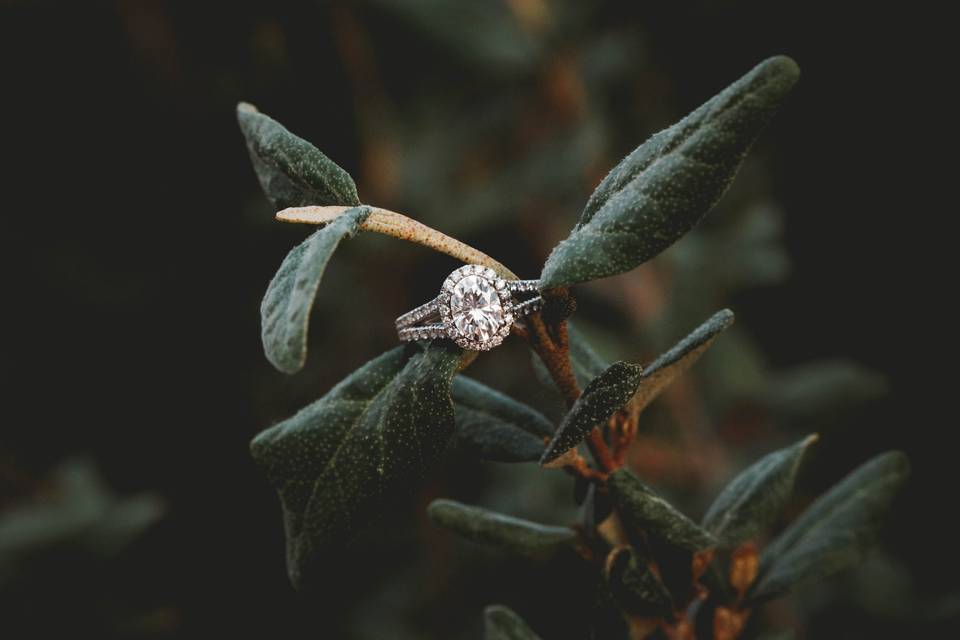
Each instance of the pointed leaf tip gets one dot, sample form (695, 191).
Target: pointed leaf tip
(291, 171)
(604, 396)
(754, 500)
(662, 189)
(837, 531)
(679, 358)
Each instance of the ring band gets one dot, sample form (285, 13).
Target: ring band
(475, 308)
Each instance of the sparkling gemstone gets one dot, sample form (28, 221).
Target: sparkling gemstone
(475, 308)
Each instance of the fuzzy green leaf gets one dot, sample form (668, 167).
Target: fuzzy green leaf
(520, 537)
(661, 190)
(285, 310)
(291, 171)
(636, 589)
(665, 369)
(604, 396)
(339, 460)
(500, 623)
(494, 426)
(753, 501)
(643, 510)
(836, 531)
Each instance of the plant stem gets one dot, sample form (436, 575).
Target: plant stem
(555, 354)
(601, 453)
(553, 348)
(397, 225)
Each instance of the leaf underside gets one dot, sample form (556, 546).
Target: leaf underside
(285, 310)
(837, 531)
(494, 426)
(663, 188)
(339, 460)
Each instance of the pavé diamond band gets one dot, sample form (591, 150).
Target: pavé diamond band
(475, 309)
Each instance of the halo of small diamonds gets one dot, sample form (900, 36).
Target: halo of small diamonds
(476, 307)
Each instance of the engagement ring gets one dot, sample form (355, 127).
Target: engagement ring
(476, 309)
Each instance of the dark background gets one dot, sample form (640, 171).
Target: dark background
(136, 246)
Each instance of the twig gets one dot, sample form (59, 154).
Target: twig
(623, 430)
(555, 358)
(397, 225)
(553, 350)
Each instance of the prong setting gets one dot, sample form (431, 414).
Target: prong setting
(477, 310)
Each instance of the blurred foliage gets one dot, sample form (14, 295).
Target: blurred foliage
(71, 527)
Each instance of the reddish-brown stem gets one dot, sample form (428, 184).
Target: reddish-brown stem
(555, 356)
(552, 346)
(623, 429)
(601, 452)
(520, 331)
(580, 468)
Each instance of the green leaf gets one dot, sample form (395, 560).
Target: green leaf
(836, 531)
(754, 500)
(292, 172)
(500, 623)
(661, 190)
(643, 510)
(285, 310)
(339, 460)
(665, 369)
(520, 537)
(604, 396)
(636, 589)
(494, 426)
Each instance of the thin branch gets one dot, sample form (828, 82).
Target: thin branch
(623, 430)
(555, 359)
(554, 352)
(601, 452)
(397, 225)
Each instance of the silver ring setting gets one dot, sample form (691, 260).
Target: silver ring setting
(476, 309)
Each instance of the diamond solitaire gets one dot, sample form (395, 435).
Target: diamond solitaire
(476, 309)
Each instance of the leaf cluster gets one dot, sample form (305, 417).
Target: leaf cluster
(337, 462)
